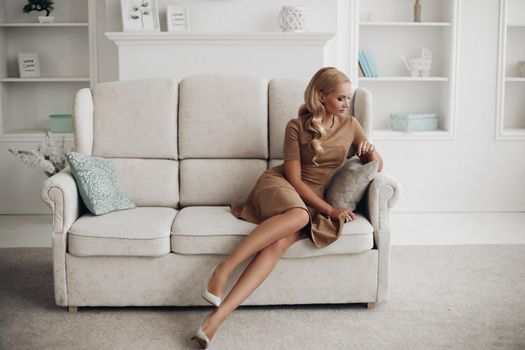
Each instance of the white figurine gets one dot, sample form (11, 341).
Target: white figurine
(419, 65)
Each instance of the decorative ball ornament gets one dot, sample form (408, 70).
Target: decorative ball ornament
(292, 18)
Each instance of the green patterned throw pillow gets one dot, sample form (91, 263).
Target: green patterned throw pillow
(97, 184)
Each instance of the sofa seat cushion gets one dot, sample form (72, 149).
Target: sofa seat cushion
(214, 230)
(143, 231)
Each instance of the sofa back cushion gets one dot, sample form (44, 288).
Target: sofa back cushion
(218, 181)
(285, 96)
(135, 119)
(223, 116)
(149, 182)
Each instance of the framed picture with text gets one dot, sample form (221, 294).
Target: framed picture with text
(28, 65)
(177, 18)
(140, 15)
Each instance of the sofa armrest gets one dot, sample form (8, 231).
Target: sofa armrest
(60, 193)
(383, 194)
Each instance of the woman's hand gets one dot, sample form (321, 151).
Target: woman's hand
(364, 149)
(336, 212)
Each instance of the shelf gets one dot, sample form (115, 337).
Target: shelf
(240, 38)
(71, 24)
(395, 36)
(45, 80)
(403, 79)
(32, 135)
(512, 134)
(405, 24)
(385, 134)
(510, 119)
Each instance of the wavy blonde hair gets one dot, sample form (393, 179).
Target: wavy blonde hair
(325, 80)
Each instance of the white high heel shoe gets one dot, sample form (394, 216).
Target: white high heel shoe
(201, 338)
(211, 298)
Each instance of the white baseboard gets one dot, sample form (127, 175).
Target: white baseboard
(457, 228)
(406, 228)
(24, 210)
(459, 207)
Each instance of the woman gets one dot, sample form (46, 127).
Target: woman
(287, 200)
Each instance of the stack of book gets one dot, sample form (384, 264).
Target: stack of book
(367, 64)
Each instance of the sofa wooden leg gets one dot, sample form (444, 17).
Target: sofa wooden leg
(371, 305)
(72, 308)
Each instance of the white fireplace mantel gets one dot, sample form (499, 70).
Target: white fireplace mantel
(265, 54)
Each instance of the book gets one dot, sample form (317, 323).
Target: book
(371, 63)
(361, 71)
(364, 64)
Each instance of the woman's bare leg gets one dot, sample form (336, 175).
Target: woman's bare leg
(254, 274)
(266, 233)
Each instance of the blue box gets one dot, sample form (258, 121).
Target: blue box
(61, 123)
(410, 122)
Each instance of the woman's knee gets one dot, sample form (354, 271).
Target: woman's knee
(300, 216)
(281, 245)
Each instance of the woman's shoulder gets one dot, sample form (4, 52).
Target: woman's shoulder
(350, 120)
(296, 123)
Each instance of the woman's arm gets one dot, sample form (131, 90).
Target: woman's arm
(367, 153)
(292, 172)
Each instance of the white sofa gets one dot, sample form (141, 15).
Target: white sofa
(183, 152)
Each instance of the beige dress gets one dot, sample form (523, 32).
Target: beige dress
(273, 194)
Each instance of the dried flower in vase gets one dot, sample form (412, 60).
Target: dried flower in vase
(48, 157)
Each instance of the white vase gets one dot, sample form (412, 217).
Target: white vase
(46, 19)
(292, 18)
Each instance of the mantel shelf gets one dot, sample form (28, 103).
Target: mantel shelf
(70, 24)
(240, 38)
(45, 80)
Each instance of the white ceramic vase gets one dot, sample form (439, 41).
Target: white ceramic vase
(46, 19)
(292, 18)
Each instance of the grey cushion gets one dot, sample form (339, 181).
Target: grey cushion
(349, 183)
(141, 231)
(98, 184)
(214, 230)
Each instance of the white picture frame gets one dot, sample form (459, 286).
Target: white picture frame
(177, 18)
(28, 65)
(140, 15)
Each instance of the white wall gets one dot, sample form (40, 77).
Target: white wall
(473, 172)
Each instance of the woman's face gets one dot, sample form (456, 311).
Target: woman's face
(337, 102)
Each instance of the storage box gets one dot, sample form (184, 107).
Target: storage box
(410, 122)
(61, 123)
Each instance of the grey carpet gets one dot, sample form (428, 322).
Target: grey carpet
(442, 297)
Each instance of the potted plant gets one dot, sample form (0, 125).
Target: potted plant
(40, 5)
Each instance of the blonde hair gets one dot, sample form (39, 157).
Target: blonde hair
(325, 80)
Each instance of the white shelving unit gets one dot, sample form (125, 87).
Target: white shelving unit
(385, 29)
(510, 123)
(67, 64)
